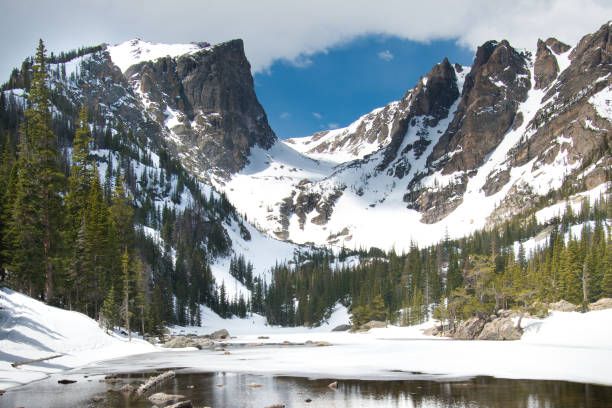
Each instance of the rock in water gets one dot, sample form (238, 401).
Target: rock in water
(154, 382)
(66, 381)
(163, 398)
(342, 327)
(127, 389)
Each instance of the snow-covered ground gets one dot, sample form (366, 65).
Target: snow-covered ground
(31, 330)
(132, 52)
(565, 346)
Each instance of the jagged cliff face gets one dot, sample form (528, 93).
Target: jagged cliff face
(467, 146)
(206, 106)
(195, 100)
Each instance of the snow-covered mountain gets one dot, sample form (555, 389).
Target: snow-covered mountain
(148, 105)
(466, 147)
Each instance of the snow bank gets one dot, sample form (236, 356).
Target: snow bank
(566, 346)
(256, 325)
(30, 330)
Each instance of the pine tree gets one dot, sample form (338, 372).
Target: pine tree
(80, 175)
(125, 313)
(38, 210)
(110, 311)
(122, 215)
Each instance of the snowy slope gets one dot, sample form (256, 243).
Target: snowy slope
(132, 52)
(30, 329)
(566, 346)
(371, 210)
(349, 143)
(253, 326)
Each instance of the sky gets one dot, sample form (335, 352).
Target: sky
(333, 59)
(332, 89)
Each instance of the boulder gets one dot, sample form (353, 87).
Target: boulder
(601, 304)
(373, 324)
(163, 398)
(342, 327)
(179, 342)
(508, 313)
(220, 334)
(127, 389)
(563, 306)
(322, 344)
(469, 329)
(254, 385)
(502, 328)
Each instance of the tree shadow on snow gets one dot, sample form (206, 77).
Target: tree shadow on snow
(12, 358)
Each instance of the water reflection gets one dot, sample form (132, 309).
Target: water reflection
(230, 390)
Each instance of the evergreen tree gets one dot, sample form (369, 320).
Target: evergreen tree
(80, 176)
(110, 312)
(38, 211)
(125, 311)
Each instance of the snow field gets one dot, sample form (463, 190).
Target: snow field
(30, 330)
(132, 52)
(565, 346)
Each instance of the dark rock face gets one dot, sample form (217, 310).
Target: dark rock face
(303, 203)
(496, 84)
(433, 99)
(219, 112)
(545, 67)
(492, 92)
(568, 123)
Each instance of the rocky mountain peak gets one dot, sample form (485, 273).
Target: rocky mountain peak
(546, 67)
(206, 103)
(436, 93)
(497, 82)
(431, 98)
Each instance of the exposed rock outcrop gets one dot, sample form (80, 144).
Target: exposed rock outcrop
(208, 99)
(546, 67)
(500, 329)
(563, 306)
(469, 329)
(601, 304)
(220, 334)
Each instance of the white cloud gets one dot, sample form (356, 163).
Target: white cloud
(317, 115)
(333, 125)
(285, 115)
(385, 55)
(292, 31)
